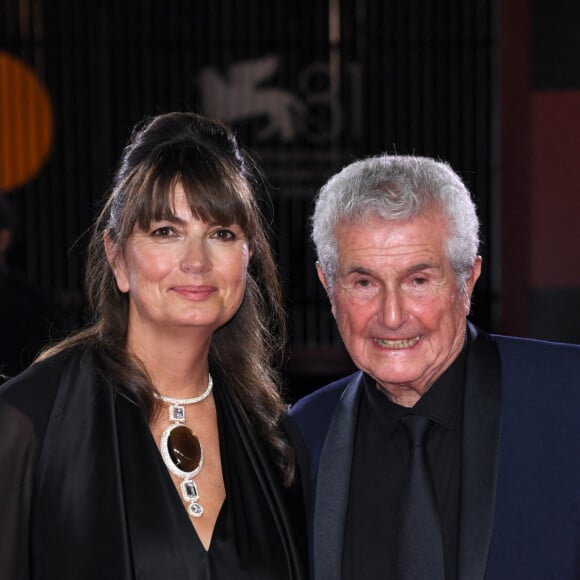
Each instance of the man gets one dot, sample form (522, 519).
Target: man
(397, 241)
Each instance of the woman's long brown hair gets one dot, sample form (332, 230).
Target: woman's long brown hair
(219, 181)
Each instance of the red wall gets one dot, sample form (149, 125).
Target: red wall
(540, 169)
(555, 174)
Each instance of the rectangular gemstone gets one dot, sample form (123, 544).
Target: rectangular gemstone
(176, 413)
(189, 490)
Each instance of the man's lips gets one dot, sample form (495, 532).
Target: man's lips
(400, 343)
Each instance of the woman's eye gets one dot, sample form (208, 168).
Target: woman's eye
(162, 232)
(224, 234)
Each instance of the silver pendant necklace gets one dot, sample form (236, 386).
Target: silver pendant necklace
(181, 449)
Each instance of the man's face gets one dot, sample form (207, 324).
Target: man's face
(396, 301)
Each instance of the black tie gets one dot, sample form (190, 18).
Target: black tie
(420, 539)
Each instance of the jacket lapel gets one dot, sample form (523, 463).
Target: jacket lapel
(332, 487)
(480, 455)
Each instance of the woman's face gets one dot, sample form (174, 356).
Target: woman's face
(182, 272)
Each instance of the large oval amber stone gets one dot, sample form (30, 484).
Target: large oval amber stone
(184, 448)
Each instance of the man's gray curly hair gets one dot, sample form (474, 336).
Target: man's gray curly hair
(396, 187)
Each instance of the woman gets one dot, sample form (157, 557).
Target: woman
(146, 446)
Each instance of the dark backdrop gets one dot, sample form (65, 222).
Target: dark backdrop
(309, 87)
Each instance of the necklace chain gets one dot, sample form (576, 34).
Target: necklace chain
(192, 400)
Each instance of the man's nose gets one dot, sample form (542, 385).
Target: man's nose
(393, 309)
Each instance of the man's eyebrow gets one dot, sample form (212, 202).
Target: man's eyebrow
(422, 266)
(359, 270)
(410, 270)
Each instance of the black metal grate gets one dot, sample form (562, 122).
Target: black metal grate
(338, 80)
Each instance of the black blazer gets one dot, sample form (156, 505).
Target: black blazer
(520, 471)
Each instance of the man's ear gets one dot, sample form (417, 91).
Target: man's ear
(321, 276)
(324, 282)
(117, 263)
(470, 282)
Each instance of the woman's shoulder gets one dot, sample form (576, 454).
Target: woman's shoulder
(32, 392)
(39, 372)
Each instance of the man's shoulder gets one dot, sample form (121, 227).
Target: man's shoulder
(534, 351)
(537, 371)
(312, 413)
(322, 398)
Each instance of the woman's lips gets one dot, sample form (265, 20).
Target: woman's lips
(194, 292)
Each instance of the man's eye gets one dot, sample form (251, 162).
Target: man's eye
(362, 283)
(419, 281)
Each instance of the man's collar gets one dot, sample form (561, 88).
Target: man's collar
(442, 400)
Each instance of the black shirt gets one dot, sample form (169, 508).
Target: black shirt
(379, 468)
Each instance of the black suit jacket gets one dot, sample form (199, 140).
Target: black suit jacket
(520, 471)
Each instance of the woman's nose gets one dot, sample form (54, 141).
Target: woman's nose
(195, 256)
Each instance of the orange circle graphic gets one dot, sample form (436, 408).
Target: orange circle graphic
(26, 124)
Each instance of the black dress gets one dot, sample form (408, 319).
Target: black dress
(84, 492)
